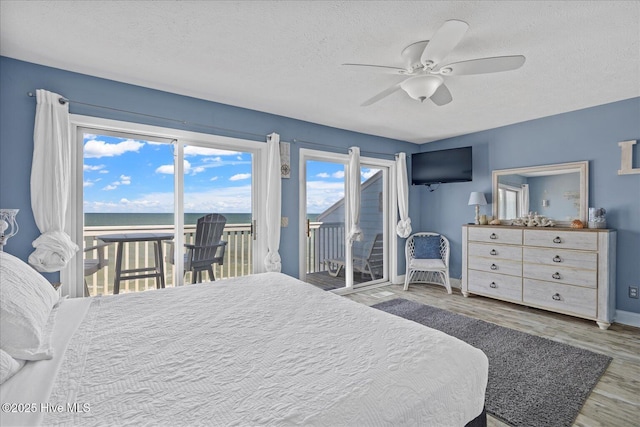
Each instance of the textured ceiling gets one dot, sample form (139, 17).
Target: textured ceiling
(285, 57)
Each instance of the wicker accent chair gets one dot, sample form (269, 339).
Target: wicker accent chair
(430, 267)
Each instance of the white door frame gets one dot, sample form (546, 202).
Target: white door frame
(390, 204)
(71, 276)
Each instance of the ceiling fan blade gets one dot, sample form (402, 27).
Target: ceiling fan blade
(441, 96)
(443, 42)
(483, 65)
(381, 95)
(381, 68)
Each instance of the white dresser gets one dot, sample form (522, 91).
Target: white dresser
(557, 269)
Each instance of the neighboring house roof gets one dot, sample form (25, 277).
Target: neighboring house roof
(373, 179)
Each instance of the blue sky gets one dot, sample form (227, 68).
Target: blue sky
(127, 175)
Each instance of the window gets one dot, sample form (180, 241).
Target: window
(133, 178)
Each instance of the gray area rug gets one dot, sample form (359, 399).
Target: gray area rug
(533, 381)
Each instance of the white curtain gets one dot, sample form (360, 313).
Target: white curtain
(50, 183)
(272, 261)
(524, 203)
(404, 225)
(354, 233)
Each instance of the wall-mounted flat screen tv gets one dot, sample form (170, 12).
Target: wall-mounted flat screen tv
(442, 166)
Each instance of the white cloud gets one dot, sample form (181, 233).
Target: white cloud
(368, 173)
(104, 171)
(167, 169)
(87, 168)
(212, 159)
(96, 149)
(240, 176)
(124, 180)
(90, 182)
(323, 175)
(228, 199)
(215, 178)
(338, 174)
(188, 169)
(322, 194)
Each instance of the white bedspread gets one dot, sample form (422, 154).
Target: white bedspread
(262, 350)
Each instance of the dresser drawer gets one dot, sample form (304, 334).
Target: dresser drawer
(559, 297)
(495, 285)
(500, 266)
(584, 240)
(561, 258)
(555, 273)
(488, 250)
(495, 235)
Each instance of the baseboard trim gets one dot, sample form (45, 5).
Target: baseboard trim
(627, 318)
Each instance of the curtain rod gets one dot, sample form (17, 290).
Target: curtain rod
(63, 100)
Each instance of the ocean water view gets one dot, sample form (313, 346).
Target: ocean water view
(111, 219)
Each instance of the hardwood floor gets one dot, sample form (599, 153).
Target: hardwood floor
(614, 402)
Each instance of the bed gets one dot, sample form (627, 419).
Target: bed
(266, 349)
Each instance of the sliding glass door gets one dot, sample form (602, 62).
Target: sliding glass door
(137, 180)
(324, 261)
(325, 224)
(217, 190)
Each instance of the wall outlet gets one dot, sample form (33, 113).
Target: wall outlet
(633, 291)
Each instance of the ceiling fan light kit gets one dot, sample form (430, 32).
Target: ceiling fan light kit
(422, 87)
(424, 72)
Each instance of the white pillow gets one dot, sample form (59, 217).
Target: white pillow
(26, 301)
(8, 366)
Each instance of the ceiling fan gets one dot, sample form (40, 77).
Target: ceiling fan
(424, 69)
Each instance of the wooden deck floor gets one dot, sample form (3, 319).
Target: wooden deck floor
(325, 281)
(615, 400)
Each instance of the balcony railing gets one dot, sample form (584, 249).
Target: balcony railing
(326, 240)
(238, 257)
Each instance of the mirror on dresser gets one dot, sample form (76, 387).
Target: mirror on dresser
(559, 192)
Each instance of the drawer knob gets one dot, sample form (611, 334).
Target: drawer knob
(557, 240)
(556, 275)
(493, 285)
(557, 258)
(493, 267)
(493, 252)
(493, 236)
(556, 297)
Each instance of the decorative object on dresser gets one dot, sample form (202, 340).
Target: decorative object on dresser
(576, 223)
(559, 192)
(597, 218)
(8, 222)
(477, 199)
(533, 220)
(569, 271)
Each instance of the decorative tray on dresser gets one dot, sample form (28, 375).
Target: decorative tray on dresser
(565, 270)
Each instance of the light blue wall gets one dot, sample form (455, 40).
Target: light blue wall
(553, 189)
(17, 112)
(591, 134)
